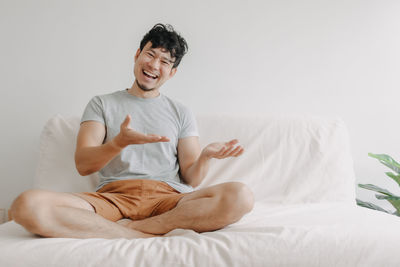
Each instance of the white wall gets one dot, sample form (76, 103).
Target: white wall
(329, 58)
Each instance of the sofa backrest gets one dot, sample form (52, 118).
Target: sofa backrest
(287, 159)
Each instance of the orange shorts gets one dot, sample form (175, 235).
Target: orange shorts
(134, 199)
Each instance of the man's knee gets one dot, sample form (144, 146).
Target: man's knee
(27, 208)
(34, 209)
(236, 200)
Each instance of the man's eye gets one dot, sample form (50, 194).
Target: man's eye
(165, 62)
(150, 55)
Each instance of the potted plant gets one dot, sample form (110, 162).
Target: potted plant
(384, 194)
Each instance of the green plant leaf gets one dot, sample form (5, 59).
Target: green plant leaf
(386, 197)
(395, 201)
(370, 206)
(376, 189)
(387, 161)
(394, 177)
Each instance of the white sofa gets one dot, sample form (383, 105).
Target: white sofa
(301, 171)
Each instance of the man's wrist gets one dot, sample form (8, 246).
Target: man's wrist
(204, 156)
(117, 143)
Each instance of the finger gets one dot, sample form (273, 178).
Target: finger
(152, 138)
(220, 152)
(232, 142)
(164, 139)
(240, 152)
(141, 138)
(234, 151)
(127, 121)
(228, 151)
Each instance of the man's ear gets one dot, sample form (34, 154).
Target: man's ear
(137, 54)
(172, 73)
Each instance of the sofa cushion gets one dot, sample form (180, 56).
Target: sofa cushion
(56, 167)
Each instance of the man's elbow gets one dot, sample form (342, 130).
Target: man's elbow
(82, 171)
(192, 182)
(83, 168)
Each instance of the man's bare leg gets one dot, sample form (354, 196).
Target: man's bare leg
(204, 210)
(52, 214)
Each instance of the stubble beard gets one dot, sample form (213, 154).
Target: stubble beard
(143, 87)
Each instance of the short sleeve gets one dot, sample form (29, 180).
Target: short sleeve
(94, 111)
(188, 124)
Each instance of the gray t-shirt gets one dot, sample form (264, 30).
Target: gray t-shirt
(160, 115)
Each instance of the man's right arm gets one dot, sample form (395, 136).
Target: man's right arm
(91, 154)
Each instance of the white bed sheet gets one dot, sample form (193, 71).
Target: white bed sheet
(324, 234)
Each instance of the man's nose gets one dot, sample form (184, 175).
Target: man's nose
(155, 63)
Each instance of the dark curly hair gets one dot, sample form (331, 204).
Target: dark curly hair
(166, 37)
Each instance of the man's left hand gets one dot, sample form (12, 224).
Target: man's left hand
(221, 150)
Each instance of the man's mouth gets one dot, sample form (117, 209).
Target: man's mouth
(150, 75)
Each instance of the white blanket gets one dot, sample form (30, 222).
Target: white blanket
(328, 234)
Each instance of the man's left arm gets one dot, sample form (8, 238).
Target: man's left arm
(194, 162)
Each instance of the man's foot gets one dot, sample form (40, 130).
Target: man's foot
(125, 222)
(131, 225)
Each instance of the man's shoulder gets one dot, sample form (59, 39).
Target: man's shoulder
(101, 99)
(177, 105)
(115, 94)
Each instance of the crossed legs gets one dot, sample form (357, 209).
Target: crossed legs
(52, 214)
(204, 210)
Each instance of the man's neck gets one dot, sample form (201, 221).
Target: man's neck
(137, 91)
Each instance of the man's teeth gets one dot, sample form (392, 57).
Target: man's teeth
(150, 74)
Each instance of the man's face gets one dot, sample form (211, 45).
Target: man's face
(153, 67)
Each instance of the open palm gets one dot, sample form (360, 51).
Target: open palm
(129, 136)
(221, 150)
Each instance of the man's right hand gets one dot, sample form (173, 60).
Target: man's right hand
(128, 136)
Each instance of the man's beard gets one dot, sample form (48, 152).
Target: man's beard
(144, 88)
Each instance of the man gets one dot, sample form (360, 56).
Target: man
(145, 147)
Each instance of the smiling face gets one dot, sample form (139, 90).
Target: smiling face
(153, 67)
